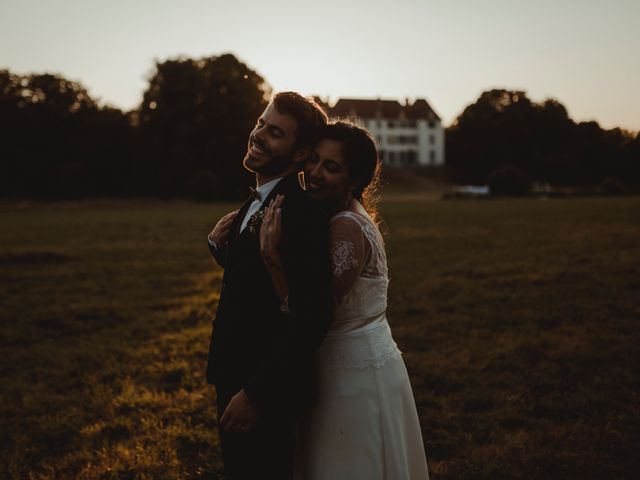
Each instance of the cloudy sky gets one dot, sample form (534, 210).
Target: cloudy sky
(583, 53)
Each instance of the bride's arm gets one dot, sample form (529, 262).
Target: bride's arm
(350, 252)
(270, 237)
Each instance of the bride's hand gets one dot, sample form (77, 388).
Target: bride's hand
(271, 233)
(220, 232)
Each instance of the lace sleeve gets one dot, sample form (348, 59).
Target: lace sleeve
(350, 251)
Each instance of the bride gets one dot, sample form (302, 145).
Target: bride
(364, 423)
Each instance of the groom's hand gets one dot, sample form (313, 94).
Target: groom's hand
(240, 415)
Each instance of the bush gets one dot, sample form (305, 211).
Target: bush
(612, 186)
(509, 181)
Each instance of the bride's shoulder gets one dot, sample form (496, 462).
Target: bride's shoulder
(354, 225)
(348, 220)
(345, 216)
(354, 213)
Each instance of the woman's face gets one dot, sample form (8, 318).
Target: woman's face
(325, 173)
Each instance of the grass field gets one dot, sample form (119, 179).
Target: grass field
(519, 321)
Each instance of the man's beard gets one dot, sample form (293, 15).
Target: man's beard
(276, 165)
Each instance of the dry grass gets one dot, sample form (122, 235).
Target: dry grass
(518, 320)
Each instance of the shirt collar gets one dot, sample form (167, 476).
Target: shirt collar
(264, 190)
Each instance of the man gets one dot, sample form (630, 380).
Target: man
(261, 354)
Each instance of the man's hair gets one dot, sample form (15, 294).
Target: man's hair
(308, 114)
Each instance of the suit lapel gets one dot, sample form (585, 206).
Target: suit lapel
(237, 221)
(282, 187)
(244, 246)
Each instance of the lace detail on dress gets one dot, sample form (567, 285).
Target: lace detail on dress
(359, 349)
(343, 257)
(376, 265)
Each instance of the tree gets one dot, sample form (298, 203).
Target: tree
(501, 128)
(504, 127)
(187, 138)
(54, 137)
(195, 117)
(630, 159)
(509, 181)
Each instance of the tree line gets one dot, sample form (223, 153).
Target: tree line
(187, 138)
(504, 130)
(189, 134)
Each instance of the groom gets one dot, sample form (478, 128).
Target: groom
(262, 348)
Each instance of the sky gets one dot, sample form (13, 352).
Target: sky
(584, 53)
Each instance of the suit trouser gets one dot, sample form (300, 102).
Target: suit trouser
(266, 451)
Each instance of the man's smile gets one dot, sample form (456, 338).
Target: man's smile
(257, 149)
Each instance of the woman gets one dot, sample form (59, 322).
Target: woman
(364, 424)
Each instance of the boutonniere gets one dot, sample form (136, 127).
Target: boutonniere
(253, 224)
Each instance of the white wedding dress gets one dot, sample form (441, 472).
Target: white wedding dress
(364, 424)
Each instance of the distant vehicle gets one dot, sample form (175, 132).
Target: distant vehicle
(471, 189)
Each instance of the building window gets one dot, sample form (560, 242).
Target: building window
(402, 139)
(432, 156)
(391, 124)
(392, 158)
(412, 157)
(432, 139)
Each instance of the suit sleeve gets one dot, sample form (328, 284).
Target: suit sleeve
(307, 265)
(219, 253)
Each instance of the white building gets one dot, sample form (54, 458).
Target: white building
(407, 135)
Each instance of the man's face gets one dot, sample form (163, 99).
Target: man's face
(270, 151)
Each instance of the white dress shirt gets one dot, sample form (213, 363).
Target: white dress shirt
(263, 192)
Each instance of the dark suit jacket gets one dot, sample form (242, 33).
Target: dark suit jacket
(254, 345)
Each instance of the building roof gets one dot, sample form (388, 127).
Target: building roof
(377, 108)
(422, 109)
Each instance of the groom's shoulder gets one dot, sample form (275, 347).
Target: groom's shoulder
(305, 213)
(298, 200)
(306, 206)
